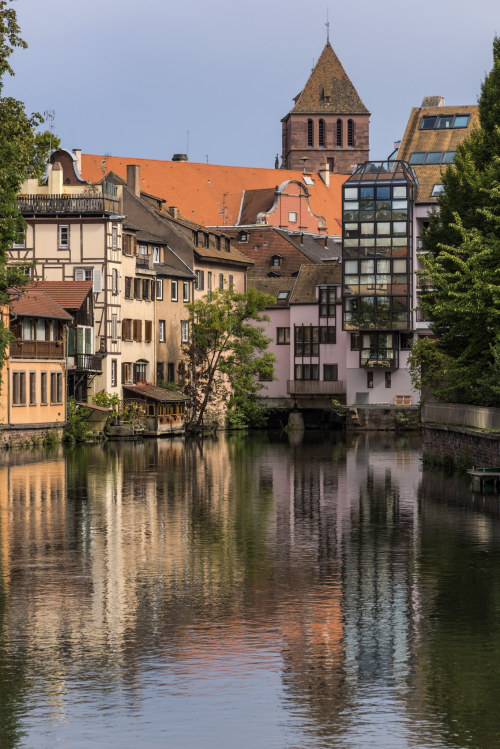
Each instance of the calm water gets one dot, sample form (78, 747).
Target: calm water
(247, 592)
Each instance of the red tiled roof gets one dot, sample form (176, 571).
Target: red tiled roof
(211, 194)
(35, 303)
(69, 294)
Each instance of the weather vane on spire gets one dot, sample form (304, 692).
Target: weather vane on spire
(327, 24)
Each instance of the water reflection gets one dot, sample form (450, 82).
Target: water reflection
(246, 591)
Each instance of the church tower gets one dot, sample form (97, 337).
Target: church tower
(329, 122)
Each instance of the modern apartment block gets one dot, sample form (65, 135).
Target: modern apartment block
(378, 281)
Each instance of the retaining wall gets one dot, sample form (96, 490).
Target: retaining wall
(461, 442)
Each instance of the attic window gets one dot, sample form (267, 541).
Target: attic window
(437, 190)
(276, 261)
(307, 180)
(282, 295)
(444, 122)
(243, 236)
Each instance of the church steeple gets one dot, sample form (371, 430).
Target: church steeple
(329, 122)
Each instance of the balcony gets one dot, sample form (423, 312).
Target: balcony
(36, 349)
(379, 359)
(316, 387)
(144, 262)
(89, 363)
(65, 205)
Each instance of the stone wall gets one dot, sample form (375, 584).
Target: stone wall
(19, 437)
(483, 449)
(381, 418)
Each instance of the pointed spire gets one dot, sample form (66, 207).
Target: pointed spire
(329, 89)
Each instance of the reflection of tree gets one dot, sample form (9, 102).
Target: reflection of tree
(460, 651)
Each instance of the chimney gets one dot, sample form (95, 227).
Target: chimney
(324, 173)
(397, 145)
(174, 211)
(78, 154)
(134, 179)
(180, 157)
(433, 101)
(55, 179)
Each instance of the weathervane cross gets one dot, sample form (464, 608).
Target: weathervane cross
(327, 24)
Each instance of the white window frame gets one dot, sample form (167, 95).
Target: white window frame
(159, 288)
(114, 236)
(63, 242)
(175, 291)
(161, 331)
(185, 291)
(184, 331)
(156, 255)
(292, 217)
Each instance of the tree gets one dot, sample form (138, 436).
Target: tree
(460, 281)
(23, 154)
(226, 354)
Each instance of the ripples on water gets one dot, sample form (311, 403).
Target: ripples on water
(246, 592)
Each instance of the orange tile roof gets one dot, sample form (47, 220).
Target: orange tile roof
(35, 303)
(204, 192)
(69, 294)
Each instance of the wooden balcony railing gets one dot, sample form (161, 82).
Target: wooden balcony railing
(66, 204)
(316, 387)
(36, 350)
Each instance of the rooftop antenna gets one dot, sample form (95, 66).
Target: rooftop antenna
(187, 143)
(50, 115)
(327, 24)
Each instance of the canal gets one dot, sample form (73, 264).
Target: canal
(249, 591)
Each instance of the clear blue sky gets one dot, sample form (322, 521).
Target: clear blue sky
(130, 77)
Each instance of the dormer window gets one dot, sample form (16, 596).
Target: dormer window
(156, 254)
(195, 238)
(276, 261)
(227, 245)
(243, 236)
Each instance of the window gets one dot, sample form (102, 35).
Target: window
(437, 190)
(43, 388)
(56, 387)
(331, 163)
(160, 372)
(137, 288)
(148, 331)
(127, 329)
(444, 122)
(184, 331)
(185, 291)
(327, 300)
(114, 327)
(128, 244)
(200, 280)
(355, 341)
(387, 379)
(21, 240)
(19, 388)
(321, 133)
(209, 284)
(140, 371)
(339, 133)
(369, 379)
(174, 291)
(432, 157)
(195, 238)
(327, 334)
(114, 237)
(143, 249)
(161, 331)
(137, 325)
(83, 274)
(159, 288)
(306, 372)
(63, 236)
(171, 371)
(145, 289)
(276, 261)
(231, 281)
(406, 341)
(126, 372)
(115, 284)
(330, 372)
(350, 133)
(283, 336)
(292, 217)
(221, 280)
(242, 237)
(128, 287)
(156, 254)
(310, 133)
(306, 341)
(32, 388)
(114, 372)
(282, 296)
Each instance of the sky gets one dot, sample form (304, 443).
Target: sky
(150, 78)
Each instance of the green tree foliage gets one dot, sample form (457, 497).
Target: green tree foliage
(461, 277)
(226, 355)
(23, 154)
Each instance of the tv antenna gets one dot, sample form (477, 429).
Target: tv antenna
(49, 115)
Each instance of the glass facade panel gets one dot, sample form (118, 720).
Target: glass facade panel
(351, 193)
(367, 192)
(417, 157)
(433, 157)
(449, 157)
(399, 191)
(367, 229)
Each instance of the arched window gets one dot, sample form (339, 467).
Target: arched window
(350, 133)
(339, 133)
(321, 133)
(310, 132)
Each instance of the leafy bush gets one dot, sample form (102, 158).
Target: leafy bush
(77, 425)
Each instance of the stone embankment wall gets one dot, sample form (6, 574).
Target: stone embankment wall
(20, 437)
(462, 443)
(381, 418)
